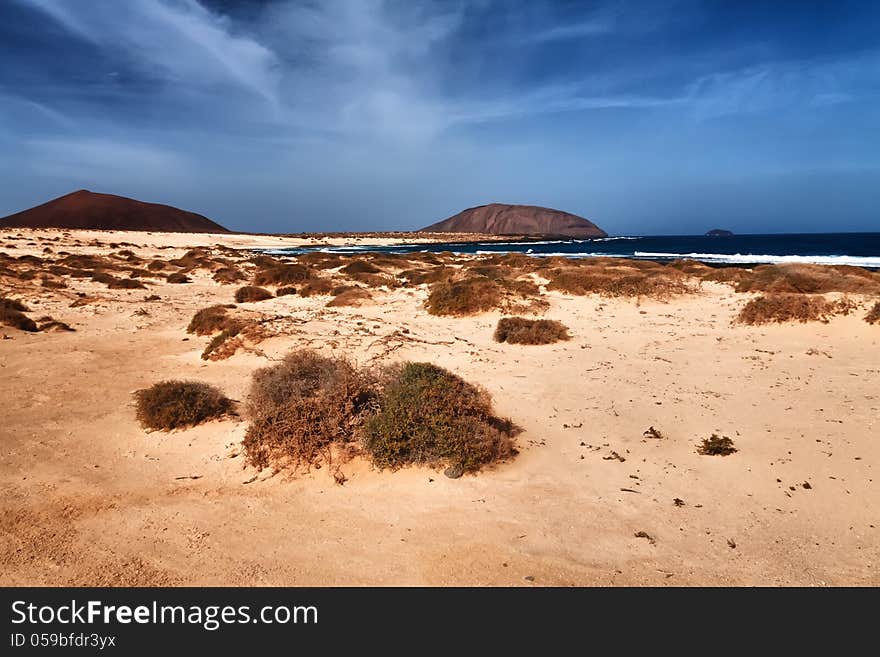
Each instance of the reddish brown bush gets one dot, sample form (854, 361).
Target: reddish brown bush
(619, 281)
(873, 316)
(282, 274)
(465, 297)
(349, 296)
(178, 278)
(316, 286)
(285, 291)
(12, 314)
(210, 320)
(360, 267)
(250, 293)
(780, 308)
(303, 406)
(810, 279)
(519, 330)
(226, 275)
(174, 404)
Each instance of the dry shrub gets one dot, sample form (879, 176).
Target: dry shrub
(302, 406)
(156, 265)
(250, 293)
(726, 275)
(428, 415)
(215, 348)
(49, 325)
(374, 280)
(152, 297)
(464, 297)
(226, 275)
(716, 445)
(873, 316)
(178, 278)
(126, 284)
(350, 296)
(420, 276)
(790, 308)
(12, 314)
(316, 286)
(282, 274)
(810, 279)
(320, 260)
(173, 404)
(52, 284)
(210, 320)
(619, 281)
(519, 330)
(285, 291)
(360, 267)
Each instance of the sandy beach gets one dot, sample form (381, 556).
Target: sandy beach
(91, 498)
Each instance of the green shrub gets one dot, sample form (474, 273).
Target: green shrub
(428, 415)
(174, 404)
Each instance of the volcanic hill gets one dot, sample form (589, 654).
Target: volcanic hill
(502, 219)
(92, 211)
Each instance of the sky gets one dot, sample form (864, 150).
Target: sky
(653, 117)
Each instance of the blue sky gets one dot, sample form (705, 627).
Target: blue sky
(654, 117)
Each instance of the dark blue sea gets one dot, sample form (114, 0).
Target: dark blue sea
(859, 249)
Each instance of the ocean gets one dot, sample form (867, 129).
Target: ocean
(858, 249)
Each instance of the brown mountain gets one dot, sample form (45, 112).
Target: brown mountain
(502, 219)
(89, 210)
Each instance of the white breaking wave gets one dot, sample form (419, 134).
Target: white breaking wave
(748, 258)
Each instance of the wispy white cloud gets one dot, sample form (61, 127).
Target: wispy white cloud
(178, 41)
(773, 86)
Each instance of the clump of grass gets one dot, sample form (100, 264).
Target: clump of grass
(49, 325)
(873, 316)
(619, 281)
(810, 279)
(421, 276)
(12, 313)
(227, 275)
(716, 445)
(428, 415)
(790, 307)
(302, 407)
(464, 297)
(280, 274)
(349, 296)
(316, 286)
(178, 278)
(285, 291)
(174, 404)
(251, 293)
(210, 320)
(360, 267)
(519, 330)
